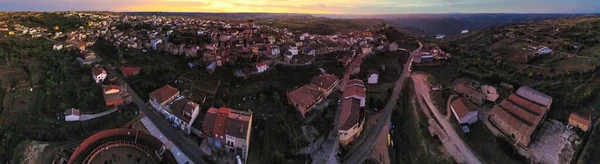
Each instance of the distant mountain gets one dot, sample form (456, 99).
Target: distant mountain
(217, 15)
(453, 24)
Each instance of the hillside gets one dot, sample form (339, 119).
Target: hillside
(453, 24)
(320, 25)
(507, 54)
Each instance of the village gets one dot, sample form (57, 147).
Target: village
(233, 92)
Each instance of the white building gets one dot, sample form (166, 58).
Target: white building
(99, 74)
(373, 78)
(294, 51)
(355, 88)
(72, 114)
(183, 113)
(162, 96)
(261, 67)
(464, 111)
(57, 47)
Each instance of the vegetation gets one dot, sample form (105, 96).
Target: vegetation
(320, 25)
(47, 20)
(505, 54)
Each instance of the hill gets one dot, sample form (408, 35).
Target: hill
(508, 54)
(453, 24)
(320, 25)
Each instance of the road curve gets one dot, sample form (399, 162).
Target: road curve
(362, 153)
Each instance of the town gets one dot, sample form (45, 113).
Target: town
(133, 88)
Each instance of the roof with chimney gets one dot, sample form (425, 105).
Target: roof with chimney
(183, 105)
(238, 123)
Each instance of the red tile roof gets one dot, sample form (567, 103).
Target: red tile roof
(108, 88)
(580, 119)
(130, 71)
(261, 64)
(350, 114)
(355, 91)
(469, 90)
(98, 71)
(462, 106)
(164, 93)
(325, 81)
(304, 97)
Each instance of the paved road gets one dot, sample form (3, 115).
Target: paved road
(191, 150)
(422, 89)
(329, 149)
(362, 153)
(85, 117)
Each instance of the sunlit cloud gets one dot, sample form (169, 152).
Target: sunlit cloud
(310, 6)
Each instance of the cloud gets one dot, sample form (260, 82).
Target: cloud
(309, 6)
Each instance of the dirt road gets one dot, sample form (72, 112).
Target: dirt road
(422, 90)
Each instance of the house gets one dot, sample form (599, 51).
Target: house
(325, 82)
(520, 114)
(275, 50)
(351, 121)
(473, 94)
(305, 98)
(355, 88)
(373, 77)
(491, 94)
(294, 51)
(580, 122)
(99, 74)
(464, 31)
(72, 114)
(57, 47)
(464, 111)
(111, 89)
(130, 71)
(261, 67)
(228, 128)
(162, 96)
(436, 87)
(426, 57)
(393, 46)
(113, 99)
(183, 113)
(211, 67)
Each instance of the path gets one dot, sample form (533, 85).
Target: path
(85, 117)
(362, 153)
(422, 90)
(189, 149)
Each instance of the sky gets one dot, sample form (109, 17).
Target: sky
(311, 6)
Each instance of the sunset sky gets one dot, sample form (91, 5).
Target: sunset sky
(312, 6)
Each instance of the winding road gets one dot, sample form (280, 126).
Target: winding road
(362, 153)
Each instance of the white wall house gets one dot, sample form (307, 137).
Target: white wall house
(373, 78)
(261, 67)
(98, 74)
(72, 114)
(294, 51)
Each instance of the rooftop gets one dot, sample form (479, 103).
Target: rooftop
(324, 81)
(350, 114)
(164, 93)
(462, 106)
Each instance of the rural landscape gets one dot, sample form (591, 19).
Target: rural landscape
(294, 87)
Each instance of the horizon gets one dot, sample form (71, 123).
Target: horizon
(351, 7)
